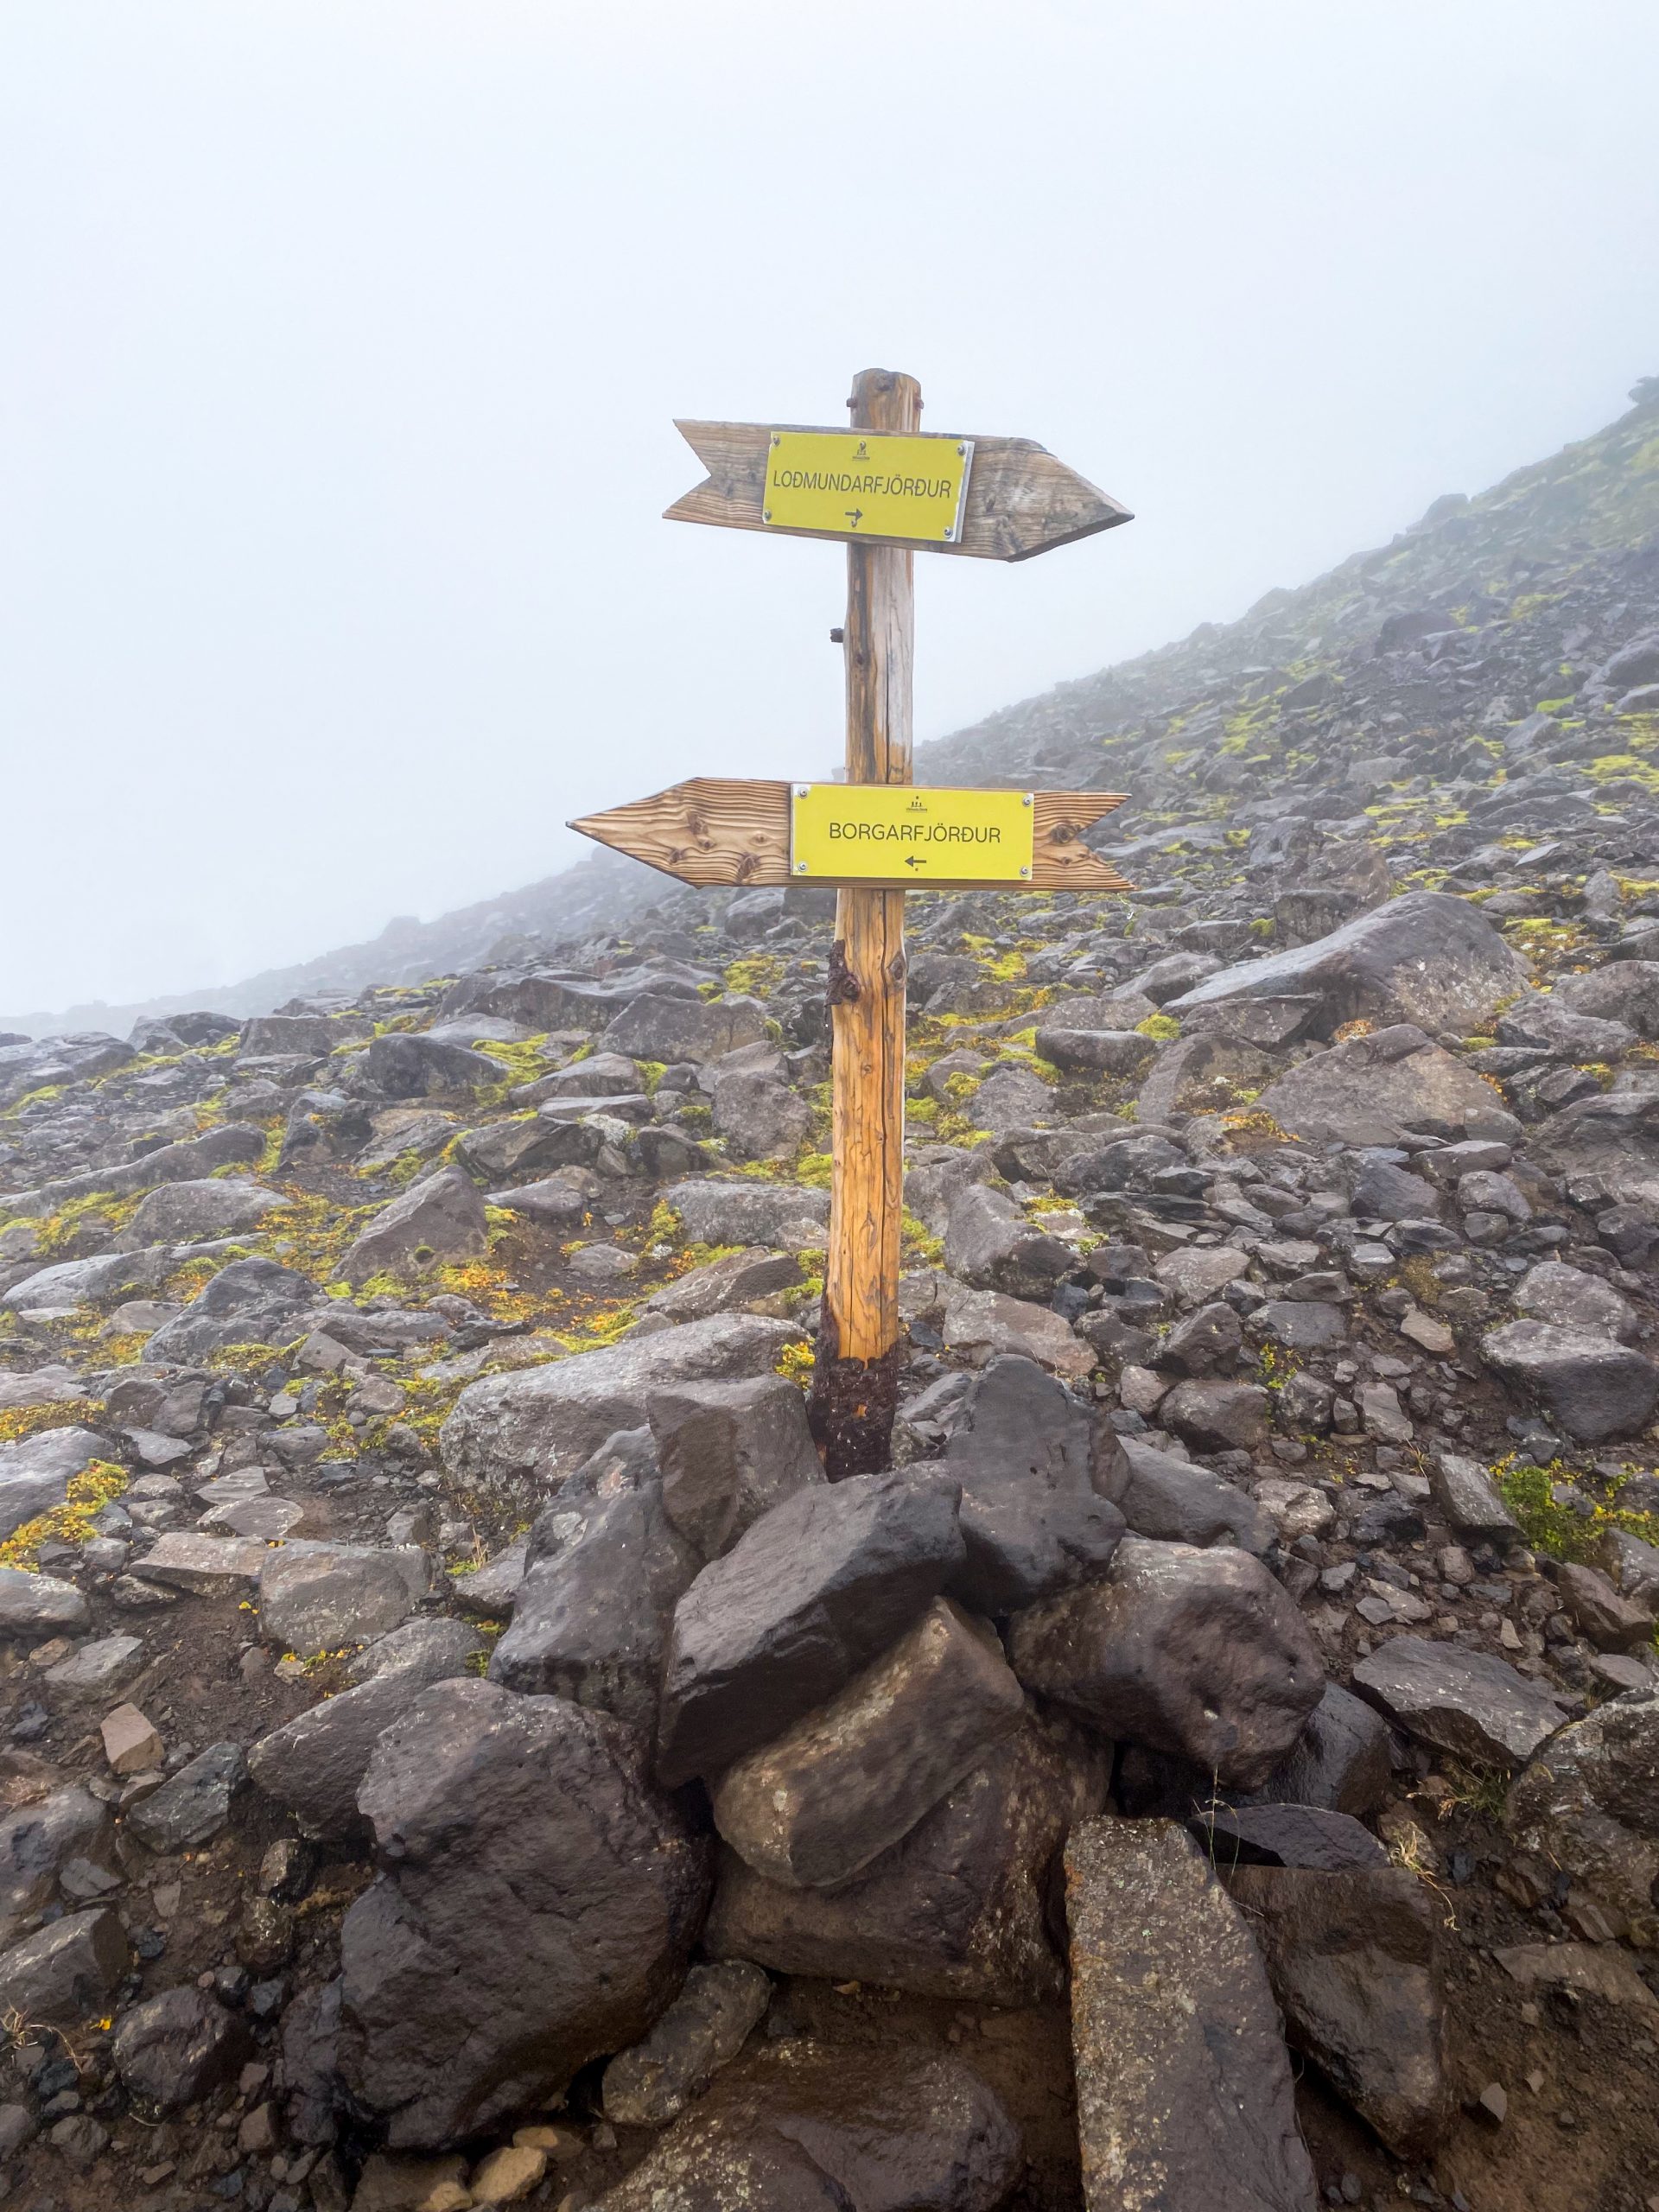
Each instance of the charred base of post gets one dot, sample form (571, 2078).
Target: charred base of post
(851, 1408)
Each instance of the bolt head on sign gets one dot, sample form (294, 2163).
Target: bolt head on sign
(866, 485)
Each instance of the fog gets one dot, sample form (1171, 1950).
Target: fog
(343, 341)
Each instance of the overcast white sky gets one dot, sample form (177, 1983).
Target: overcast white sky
(342, 339)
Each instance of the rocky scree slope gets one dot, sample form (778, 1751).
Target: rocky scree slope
(458, 1750)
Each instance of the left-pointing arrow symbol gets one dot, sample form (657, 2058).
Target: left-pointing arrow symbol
(912, 861)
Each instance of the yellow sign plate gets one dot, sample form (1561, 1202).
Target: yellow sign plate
(895, 833)
(860, 485)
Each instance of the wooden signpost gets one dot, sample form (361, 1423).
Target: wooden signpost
(886, 490)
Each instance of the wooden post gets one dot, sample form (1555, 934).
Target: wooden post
(855, 1381)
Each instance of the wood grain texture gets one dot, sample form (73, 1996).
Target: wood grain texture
(861, 1281)
(1021, 500)
(721, 831)
(710, 830)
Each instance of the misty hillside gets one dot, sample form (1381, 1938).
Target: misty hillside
(464, 1744)
(1403, 660)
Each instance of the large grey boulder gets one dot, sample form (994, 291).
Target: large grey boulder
(537, 1908)
(62, 1974)
(313, 1765)
(35, 1472)
(1183, 2088)
(1591, 1385)
(103, 1280)
(1372, 1089)
(436, 1221)
(34, 1606)
(315, 1597)
(1624, 990)
(1543, 1023)
(36, 1841)
(309, 1035)
(1609, 1143)
(403, 1066)
(517, 1436)
(814, 1590)
(653, 1027)
(1353, 1963)
(812, 1808)
(726, 1285)
(1569, 1298)
(760, 1117)
(529, 1144)
(1469, 1703)
(1037, 1471)
(702, 2031)
(960, 1907)
(1097, 1051)
(233, 1143)
(1200, 1654)
(1171, 1500)
(1205, 1073)
(218, 1206)
(989, 1243)
(979, 1324)
(729, 1451)
(817, 2128)
(176, 2049)
(536, 999)
(1426, 957)
(592, 1617)
(750, 1212)
(1587, 1805)
(250, 1302)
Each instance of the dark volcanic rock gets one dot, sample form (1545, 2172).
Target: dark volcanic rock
(1032, 1466)
(193, 1804)
(1588, 1805)
(315, 1764)
(36, 1841)
(538, 1907)
(1197, 1652)
(435, 1220)
(1170, 1499)
(250, 1302)
(1339, 1761)
(1352, 1961)
(175, 2048)
(1591, 1385)
(1468, 1702)
(1374, 1088)
(1426, 957)
(812, 1593)
(811, 2127)
(520, 1434)
(959, 1909)
(591, 1621)
(729, 1451)
(1184, 2092)
(1287, 1835)
(62, 1974)
(813, 1808)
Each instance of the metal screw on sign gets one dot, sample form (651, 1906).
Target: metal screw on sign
(876, 835)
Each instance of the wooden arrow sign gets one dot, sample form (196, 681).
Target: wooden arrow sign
(999, 498)
(748, 835)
